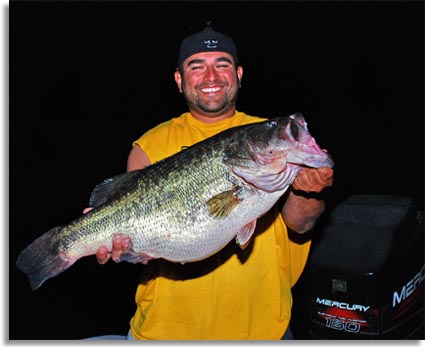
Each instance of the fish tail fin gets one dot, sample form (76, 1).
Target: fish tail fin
(41, 260)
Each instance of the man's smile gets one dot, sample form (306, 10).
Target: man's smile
(211, 89)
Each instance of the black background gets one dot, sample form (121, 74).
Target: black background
(88, 78)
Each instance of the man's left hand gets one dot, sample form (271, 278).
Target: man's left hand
(313, 180)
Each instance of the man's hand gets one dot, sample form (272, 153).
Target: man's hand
(313, 180)
(301, 211)
(119, 245)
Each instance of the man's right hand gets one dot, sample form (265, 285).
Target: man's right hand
(119, 245)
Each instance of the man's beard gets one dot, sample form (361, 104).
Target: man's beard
(196, 103)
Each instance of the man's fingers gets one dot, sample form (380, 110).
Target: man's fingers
(326, 174)
(87, 209)
(102, 255)
(116, 248)
(313, 180)
(119, 244)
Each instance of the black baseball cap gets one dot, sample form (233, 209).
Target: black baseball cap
(207, 40)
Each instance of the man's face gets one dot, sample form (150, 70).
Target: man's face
(209, 82)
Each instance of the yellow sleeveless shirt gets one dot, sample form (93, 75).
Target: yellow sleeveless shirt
(233, 295)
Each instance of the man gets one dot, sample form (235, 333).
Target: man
(235, 294)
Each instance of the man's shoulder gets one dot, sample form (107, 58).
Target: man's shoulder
(166, 125)
(247, 119)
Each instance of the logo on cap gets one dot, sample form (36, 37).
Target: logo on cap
(211, 43)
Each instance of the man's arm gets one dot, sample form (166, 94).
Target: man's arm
(137, 159)
(304, 205)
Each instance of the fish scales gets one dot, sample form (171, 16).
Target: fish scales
(186, 207)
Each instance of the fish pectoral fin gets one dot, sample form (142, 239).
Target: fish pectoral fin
(134, 257)
(244, 235)
(222, 204)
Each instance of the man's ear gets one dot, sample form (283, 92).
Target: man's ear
(178, 79)
(239, 72)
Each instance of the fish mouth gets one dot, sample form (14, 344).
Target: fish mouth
(305, 151)
(309, 154)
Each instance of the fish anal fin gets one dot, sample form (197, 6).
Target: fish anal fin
(222, 204)
(131, 256)
(244, 235)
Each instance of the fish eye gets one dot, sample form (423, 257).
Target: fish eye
(272, 124)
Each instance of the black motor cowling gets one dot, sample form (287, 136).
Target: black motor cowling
(366, 271)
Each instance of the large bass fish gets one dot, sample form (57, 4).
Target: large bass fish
(187, 206)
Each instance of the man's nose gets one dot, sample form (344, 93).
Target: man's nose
(211, 73)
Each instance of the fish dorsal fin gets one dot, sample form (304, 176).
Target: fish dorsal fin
(244, 235)
(222, 204)
(113, 188)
